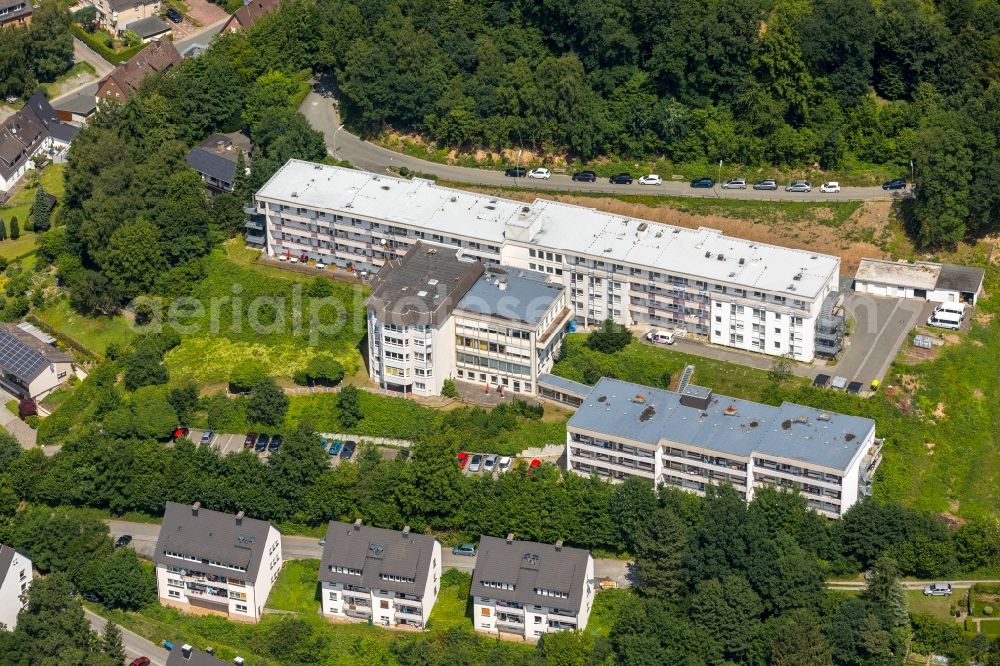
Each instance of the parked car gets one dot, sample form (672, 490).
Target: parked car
(463, 458)
(651, 179)
(703, 183)
(585, 176)
(335, 447)
(404, 455)
(937, 590)
(348, 449)
(735, 184)
(249, 441)
(661, 337)
(894, 184)
(490, 463)
(476, 464)
(275, 443)
(504, 464)
(123, 540)
(92, 598)
(833, 187)
(320, 265)
(174, 15)
(515, 172)
(621, 179)
(206, 437)
(140, 661)
(262, 441)
(765, 185)
(798, 186)
(465, 550)
(180, 432)
(540, 172)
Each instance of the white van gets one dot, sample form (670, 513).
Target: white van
(660, 337)
(954, 308)
(943, 319)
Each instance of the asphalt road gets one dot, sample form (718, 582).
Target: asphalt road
(880, 328)
(320, 109)
(144, 537)
(909, 584)
(135, 645)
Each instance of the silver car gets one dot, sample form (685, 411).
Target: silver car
(798, 186)
(735, 184)
(490, 463)
(476, 464)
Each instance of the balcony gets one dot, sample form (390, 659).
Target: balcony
(408, 610)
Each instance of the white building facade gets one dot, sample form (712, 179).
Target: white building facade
(693, 439)
(209, 562)
(729, 291)
(15, 579)
(387, 576)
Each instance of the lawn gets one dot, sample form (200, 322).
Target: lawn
(660, 366)
(453, 608)
(297, 587)
(94, 333)
(608, 605)
(19, 206)
(936, 606)
(55, 88)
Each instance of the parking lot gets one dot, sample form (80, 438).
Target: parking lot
(233, 443)
(880, 328)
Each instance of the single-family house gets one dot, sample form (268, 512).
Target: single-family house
(34, 130)
(126, 78)
(215, 159)
(31, 365)
(15, 579)
(115, 15)
(15, 12)
(249, 13)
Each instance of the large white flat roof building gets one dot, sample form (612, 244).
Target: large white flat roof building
(703, 252)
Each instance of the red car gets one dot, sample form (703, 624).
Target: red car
(463, 458)
(532, 465)
(140, 661)
(180, 432)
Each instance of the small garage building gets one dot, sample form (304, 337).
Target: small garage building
(939, 283)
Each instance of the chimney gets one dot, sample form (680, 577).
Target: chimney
(406, 530)
(220, 146)
(186, 651)
(357, 524)
(510, 538)
(239, 517)
(559, 546)
(195, 507)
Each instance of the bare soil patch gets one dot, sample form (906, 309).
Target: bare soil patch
(939, 411)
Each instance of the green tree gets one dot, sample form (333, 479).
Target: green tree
(838, 41)
(3, 229)
(153, 415)
(120, 580)
(144, 366)
(796, 639)
(632, 503)
(272, 90)
(448, 389)
(659, 550)
(610, 337)
(245, 375)
(299, 462)
(729, 611)
(51, 49)
(349, 407)
(267, 404)
(184, 400)
(323, 370)
(433, 486)
(41, 213)
(781, 369)
(111, 643)
(885, 592)
(133, 259)
(15, 230)
(944, 165)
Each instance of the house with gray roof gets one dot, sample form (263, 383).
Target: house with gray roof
(149, 28)
(31, 366)
(529, 589)
(213, 562)
(15, 579)
(33, 131)
(215, 159)
(390, 577)
(693, 438)
(924, 280)
(15, 12)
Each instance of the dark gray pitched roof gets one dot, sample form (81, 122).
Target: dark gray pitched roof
(197, 658)
(377, 552)
(120, 5)
(960, 278)
(529, 566)
(423, 286)
(217, 155)
(6, 557)
(50, 119)
(211, 536)
(80, 103)
(148, 27)
(25, 356)
(24, 10)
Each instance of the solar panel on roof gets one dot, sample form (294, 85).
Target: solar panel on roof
(19, 359)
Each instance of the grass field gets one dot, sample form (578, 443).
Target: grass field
(297, 587)
(936, 606)
(607, 607)
(94, 333)
(20, 207)
(452, 608)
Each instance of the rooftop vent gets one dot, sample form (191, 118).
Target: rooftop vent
(640, 398)
(754, 424)
(732, 274)
(643, 226)
(677, 231)
(708, 255)
(742, 261)
(602, 398)
(823, 417)
(731, 410)
(559, 545)
(798, 276)
(421, 293)
(385, 187)
(432, 251)
(195, 507)
(406, 530)
(490, 207)
(720, 257)
(647, 413)
(849, 437)
(295, 195)
(786, 424)
(525, 210)
(432, 282)
(493, 200)
(317, 167)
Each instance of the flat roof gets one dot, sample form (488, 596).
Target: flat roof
(701, 253)
(423, 286)
(567, 386)
(961, 278)
(728, 425)
(918, 275)
(512, 294)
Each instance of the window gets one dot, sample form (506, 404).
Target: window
(383, 603)
(241, 608)
(174, 594)
(332, 596)
(485, 612)
(538, 619)
(777, 329)
(718, 319)
(777, 345)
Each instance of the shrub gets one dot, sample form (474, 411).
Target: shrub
(26, 408)
(610, 337)
(244, 376)
(987, 610)
(322, 370)
(448, 389)
(32, 421)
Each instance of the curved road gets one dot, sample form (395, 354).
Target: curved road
(319, 108)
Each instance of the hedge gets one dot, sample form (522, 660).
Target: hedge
(115, 58)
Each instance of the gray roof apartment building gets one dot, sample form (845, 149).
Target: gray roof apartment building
(693, 438)
(529, 589)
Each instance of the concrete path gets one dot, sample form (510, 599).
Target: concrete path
(320, 109)
(135, 645)
(25, 436)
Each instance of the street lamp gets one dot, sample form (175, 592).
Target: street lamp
(334, 151)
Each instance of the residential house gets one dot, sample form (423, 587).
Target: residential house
(249, 13)
(215, 159)
(692, 438)
(150, 29)
(33, 131)
(724, 290)
(31, 364)
(529, 589)
(115, 15)
(924, 280)
(390, 577)
(126, 78)
(15, 579)
(15, 12)
(186, 655)
(213, 562)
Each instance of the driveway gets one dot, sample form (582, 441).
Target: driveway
(880, 328)
(135, 645)
(22, 432)
(320, 110)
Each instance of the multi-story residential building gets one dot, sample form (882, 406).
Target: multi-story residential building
(115, 15)
(390, 577)
(15, 579)
(730, 291)
(15, 12)
(693, 438)
(529, 589)
(433, 316)
(213, 562)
